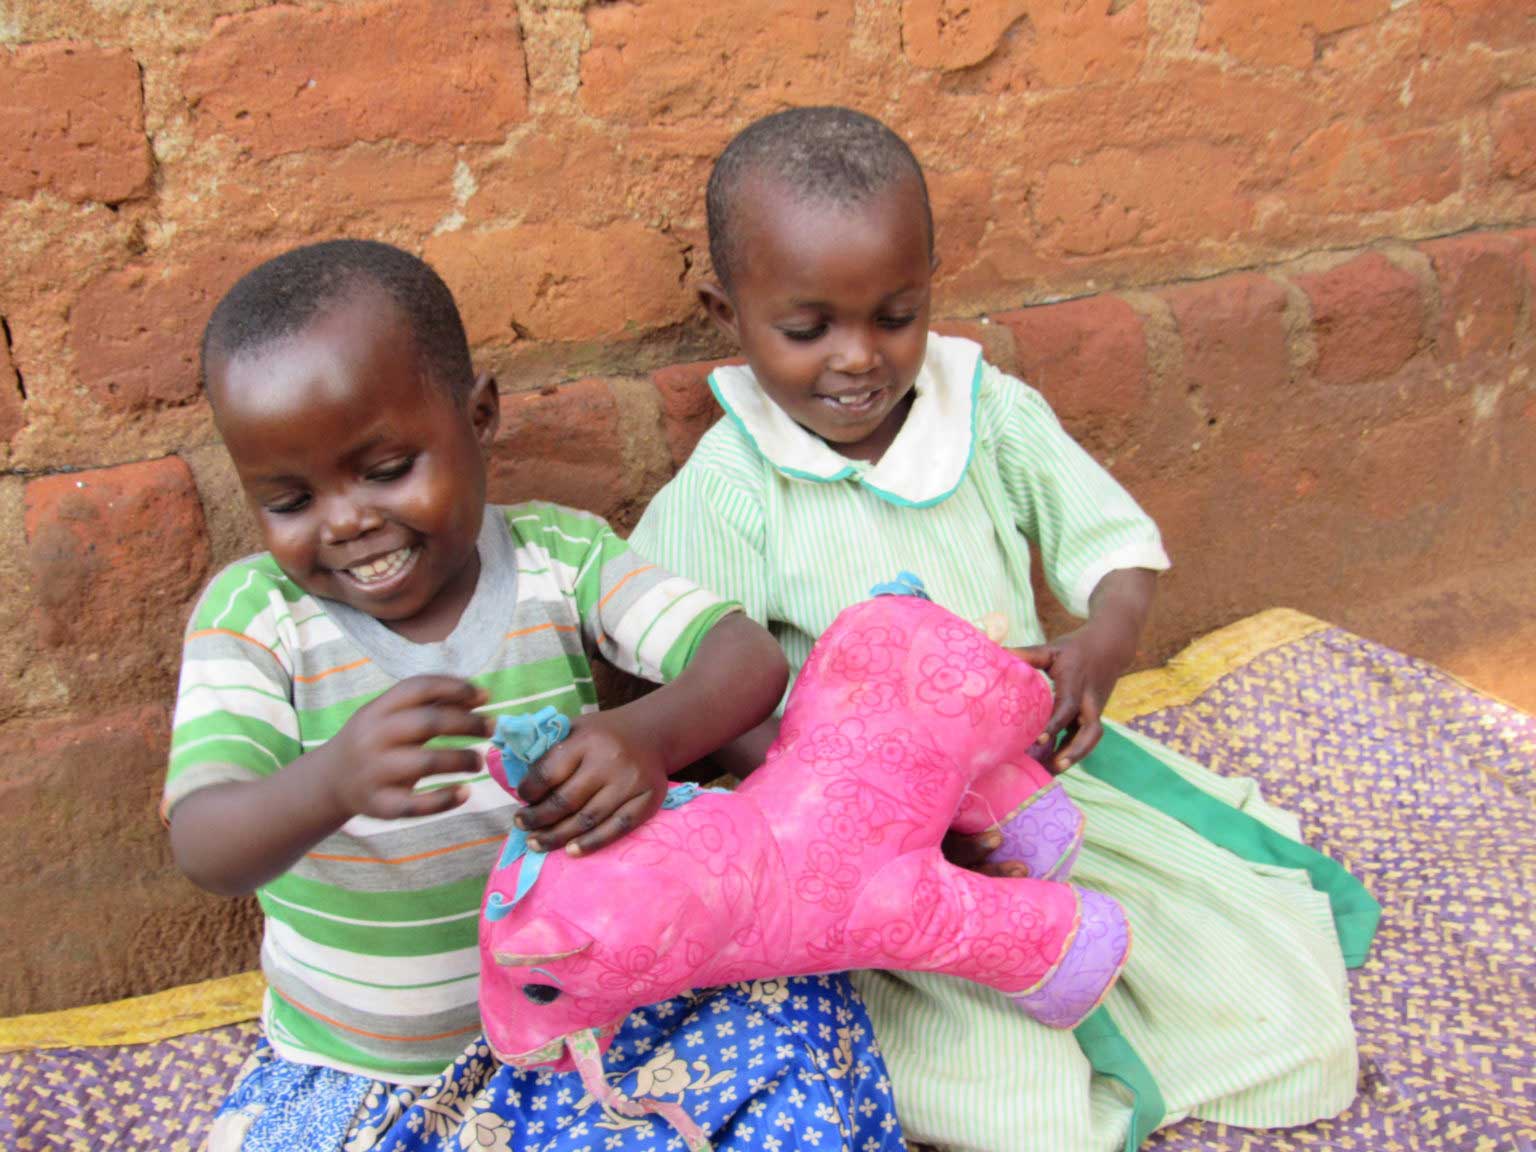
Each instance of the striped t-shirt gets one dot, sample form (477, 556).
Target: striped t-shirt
(370, 942)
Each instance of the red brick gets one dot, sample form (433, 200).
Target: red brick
(1480, 295)
(962, 210)
(285, 79)
(1279, 34)
(375, 190)
(72, 118)
(1367, 319)
(11, 415)
(688, 407)
(1514, 129)
(1088, 357)
(662, 61)
(1125, 197)
(135, 332)
(117, 554)
(562, 444)
(1235, 354)
(562, 282)
(1348, 168)
(953, 34)
(1484, 24)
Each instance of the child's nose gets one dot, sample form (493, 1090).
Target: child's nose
(856, 354)
(346, 518)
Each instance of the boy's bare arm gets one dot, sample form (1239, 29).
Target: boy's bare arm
(611, 774)
(232, 838)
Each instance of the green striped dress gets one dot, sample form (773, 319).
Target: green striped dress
(1234, 1006)
(370, 944)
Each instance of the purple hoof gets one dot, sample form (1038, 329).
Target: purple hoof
(1044, 834)
(1093, 960)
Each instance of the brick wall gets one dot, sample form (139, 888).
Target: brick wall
(1287, 243)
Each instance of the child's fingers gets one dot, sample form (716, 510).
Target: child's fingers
(966, 850)
(565, 803)
(551, 771)
(629, 816)
(1083, 739)
(403, 804)
(415, 691)
(1039, 656)
(597, 808)
(418, 725)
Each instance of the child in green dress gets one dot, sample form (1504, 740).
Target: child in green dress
(855, 445)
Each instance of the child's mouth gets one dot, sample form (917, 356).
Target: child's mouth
(383, 569)
(855, 403)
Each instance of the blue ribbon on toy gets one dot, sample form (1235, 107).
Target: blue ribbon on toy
(905, 584)
(522, 740)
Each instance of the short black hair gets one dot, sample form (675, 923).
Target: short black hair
(278, 298)
(826, 153)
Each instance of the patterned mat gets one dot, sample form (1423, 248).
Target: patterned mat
(1420, 785)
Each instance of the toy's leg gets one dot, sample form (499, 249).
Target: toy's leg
(1055, 950)
(1042, 829)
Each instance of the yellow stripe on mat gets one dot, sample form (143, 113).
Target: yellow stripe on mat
(214, 1003)
(1206, 661)
(141, 1020)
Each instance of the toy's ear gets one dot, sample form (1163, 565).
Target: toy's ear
(548, 937)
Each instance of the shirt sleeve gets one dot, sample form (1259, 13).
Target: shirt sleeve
(234, 718)
(642, 618)
(710, 529)
(1083, 522)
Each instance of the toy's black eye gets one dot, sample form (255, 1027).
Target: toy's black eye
(541, 993)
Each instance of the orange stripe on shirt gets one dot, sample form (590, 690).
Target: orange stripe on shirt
(403, 859)
(236, 635)
(292, 1003)
(612, 592)
(540, 628)
(312, 677)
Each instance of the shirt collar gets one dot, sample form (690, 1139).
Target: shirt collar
(923, 465)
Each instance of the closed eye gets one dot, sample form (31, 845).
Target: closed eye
(283, 505)
(391, 470)
(895, 321)
(805, 335)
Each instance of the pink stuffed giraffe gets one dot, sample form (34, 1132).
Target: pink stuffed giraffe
(904, 723)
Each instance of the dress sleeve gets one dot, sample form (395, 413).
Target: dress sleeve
(710, 528)
(234, 718)
(1083, 522)
(642, 618)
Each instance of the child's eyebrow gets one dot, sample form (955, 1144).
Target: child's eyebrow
(796, 302)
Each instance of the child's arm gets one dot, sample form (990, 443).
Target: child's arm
(610, 775)
(1085, 663)
(231, 838)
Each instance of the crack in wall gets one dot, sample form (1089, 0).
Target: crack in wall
(10, 354)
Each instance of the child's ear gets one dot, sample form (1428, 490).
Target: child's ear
(717, 303)
(485, 409)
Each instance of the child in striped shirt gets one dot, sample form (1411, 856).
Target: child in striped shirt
(336, 694)
(855, 444)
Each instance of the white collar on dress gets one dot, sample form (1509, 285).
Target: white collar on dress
(923, 465)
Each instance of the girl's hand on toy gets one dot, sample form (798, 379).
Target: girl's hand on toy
(597, 785)
(1083, 667)
(378, 756)
(971, 852)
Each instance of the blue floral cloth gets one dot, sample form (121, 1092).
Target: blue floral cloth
(778, 1065)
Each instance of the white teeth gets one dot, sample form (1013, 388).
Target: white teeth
(382, 568)
(854, 401)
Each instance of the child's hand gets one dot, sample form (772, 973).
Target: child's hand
(1083, 666)
(598, 784)
(971, 851)
(378, 756)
